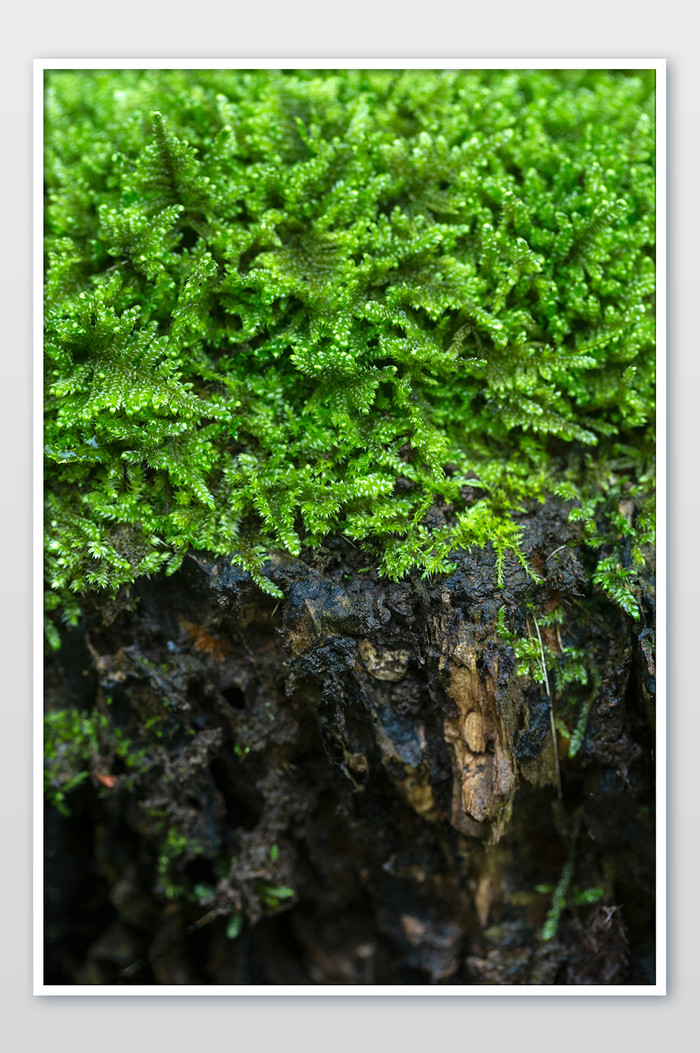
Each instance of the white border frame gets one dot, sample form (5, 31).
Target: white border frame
(39, 988)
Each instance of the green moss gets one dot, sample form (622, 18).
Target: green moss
(565, 897)
(76, 745)
(282, 305)
(175, 851)
(569, 676)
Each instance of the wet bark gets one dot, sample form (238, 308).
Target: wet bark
(353, 785)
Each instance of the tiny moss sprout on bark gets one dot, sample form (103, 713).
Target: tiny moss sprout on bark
(286, 305)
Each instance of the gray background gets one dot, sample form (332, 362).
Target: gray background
(361, 28)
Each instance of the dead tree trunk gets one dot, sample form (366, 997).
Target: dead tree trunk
(354, 785)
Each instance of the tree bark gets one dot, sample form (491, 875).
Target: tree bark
(353, 785)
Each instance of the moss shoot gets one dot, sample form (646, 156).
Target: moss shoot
(282, 305)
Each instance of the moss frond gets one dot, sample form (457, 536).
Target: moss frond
(285, 305)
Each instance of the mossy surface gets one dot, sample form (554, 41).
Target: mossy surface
(287, 305)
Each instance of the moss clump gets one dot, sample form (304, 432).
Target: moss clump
(282, 305)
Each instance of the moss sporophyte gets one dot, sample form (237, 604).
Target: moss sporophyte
(286, 305)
